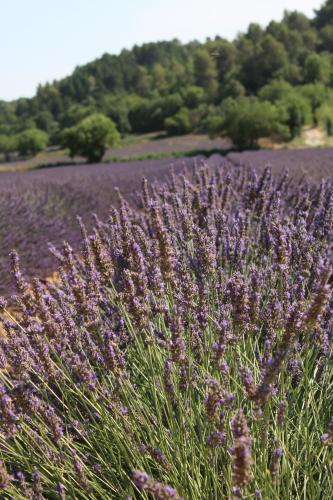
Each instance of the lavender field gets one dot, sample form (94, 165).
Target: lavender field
(313, 164)
(186, 351)
(40, 206)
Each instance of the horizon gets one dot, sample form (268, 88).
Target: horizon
(37, 51)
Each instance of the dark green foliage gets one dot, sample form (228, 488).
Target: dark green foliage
(328, 126)
(90, 137)
(7, 145)
(193, 96)
(148, 115)
(46, 122)
(232, 88)
(205, 73)
(118, 110)
(247, 119)
(267, 59)
(74, 114)
(317, 68)
(324, 15)
(179, 124)
(326, 38)
(275, 90)
(316, 95)
(295, 111)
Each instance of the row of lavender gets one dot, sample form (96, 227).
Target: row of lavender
(313, 164)
(187, 353)
(40, 206)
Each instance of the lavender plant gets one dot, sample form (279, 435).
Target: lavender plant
(185, 353)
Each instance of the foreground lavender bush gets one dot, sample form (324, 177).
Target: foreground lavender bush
(187, 353)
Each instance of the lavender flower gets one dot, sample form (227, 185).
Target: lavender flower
(5, 478)
(158, 490)
(327, 438)
(241, 451)
(281, 415)
(37, 486)
(81, 474)
(274, 464)
(61, 491)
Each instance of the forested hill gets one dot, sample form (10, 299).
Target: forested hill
(196, 86)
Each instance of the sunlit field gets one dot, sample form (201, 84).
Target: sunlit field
(166, 250)
(184, 352)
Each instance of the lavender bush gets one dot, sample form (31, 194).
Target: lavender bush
(186, 352)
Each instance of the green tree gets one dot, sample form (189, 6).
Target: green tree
(149, 115)
(245, 120)
(296, 111)
(8, 144)
(275, 90)
(31, 141)
(324, 15)
(316, 94)
(90, 137)
(255, 32)
(159, 75)
(205, 72)
(225, 55)
(317, 68)
(291, 72)
(261, 61)
(326, 37)
(45, 121)
(193, 96)
(117, 108)
(75, 114)
(296, 21)
(144, 82)
(178, 124)
(232, 88)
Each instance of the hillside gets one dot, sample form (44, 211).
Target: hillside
(218, 86)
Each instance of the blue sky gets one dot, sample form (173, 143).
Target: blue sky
(43, 40)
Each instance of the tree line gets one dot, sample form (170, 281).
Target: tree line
(267, 82)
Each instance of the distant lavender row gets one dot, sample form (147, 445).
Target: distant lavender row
(40, 206)
(315, 164)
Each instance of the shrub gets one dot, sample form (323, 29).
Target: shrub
(31, 141)
(193, 96)
(275, 90)
(91, 137)
(178, 124)
(8, 144)
(328, 123)
(185, 353)
(232, 88)
(245, 120)
(296, 111)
